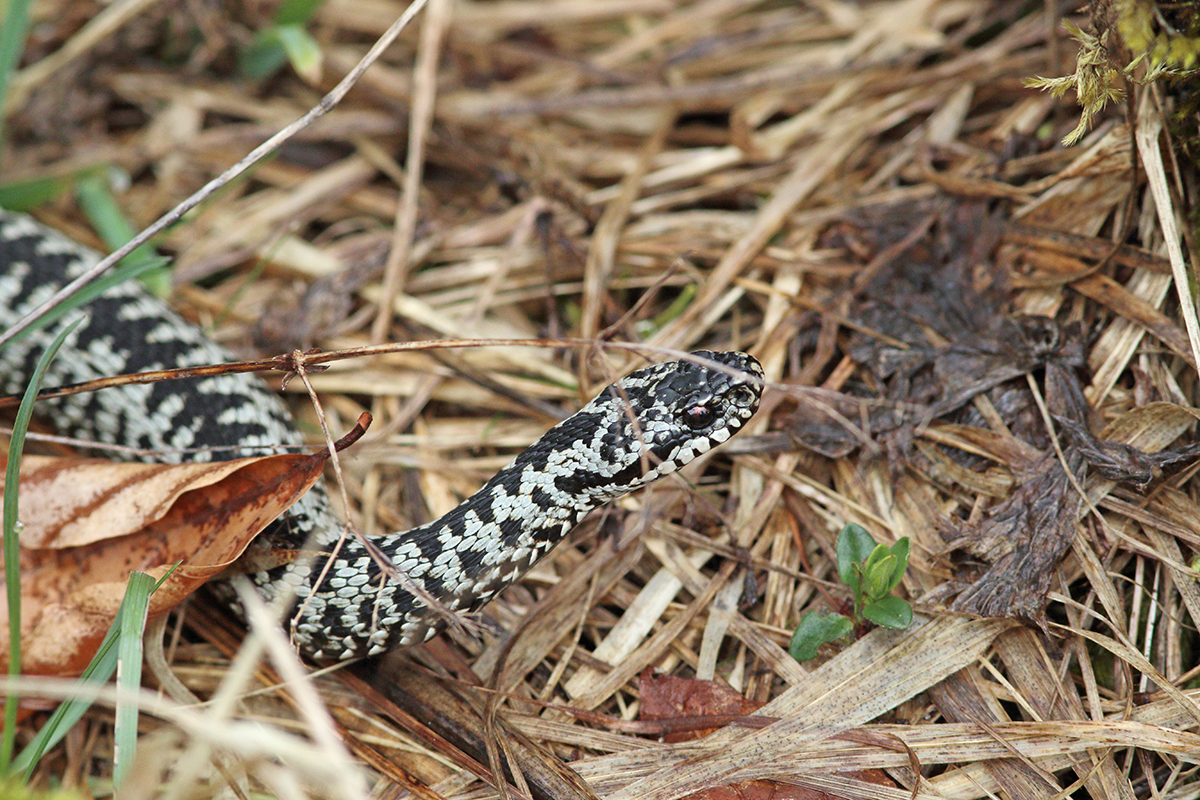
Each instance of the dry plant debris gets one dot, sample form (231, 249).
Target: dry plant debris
(977, 339)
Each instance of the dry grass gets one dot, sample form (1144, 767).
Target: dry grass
(759, 176)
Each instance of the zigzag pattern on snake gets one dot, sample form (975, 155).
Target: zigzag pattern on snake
(647, 425)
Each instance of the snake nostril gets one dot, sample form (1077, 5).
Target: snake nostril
(742, 396)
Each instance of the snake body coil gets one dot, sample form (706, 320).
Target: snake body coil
(647, 425)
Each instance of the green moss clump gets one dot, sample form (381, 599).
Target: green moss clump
(1134, 40)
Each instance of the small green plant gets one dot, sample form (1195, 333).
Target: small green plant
(872, 571)
(285, 41)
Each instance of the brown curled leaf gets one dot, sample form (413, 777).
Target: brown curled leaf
(89, 523)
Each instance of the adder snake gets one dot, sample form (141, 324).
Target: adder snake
(647, 425)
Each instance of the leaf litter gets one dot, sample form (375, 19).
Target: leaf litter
(89, 523)
(971, 332)
(931, 341)
(666, 697)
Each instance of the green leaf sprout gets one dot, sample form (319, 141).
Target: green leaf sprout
(871, 571)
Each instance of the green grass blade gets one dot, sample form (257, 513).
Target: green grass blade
(102, 667)
(131, 616)
(14, 26)
(12, 546)
(296, 12)
(131, 624)
(103, 211)
(26, 195)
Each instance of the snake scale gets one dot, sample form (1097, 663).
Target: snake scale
(646, 425)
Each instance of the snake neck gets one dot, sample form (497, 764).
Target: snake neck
(519, 515)
(468, 555)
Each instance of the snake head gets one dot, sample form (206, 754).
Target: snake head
(659, 418)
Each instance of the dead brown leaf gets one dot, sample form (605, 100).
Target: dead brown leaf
(666, 697)
(762, 790)
(89, 523)
(1024, 539)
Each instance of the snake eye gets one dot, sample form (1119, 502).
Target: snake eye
(699, 416)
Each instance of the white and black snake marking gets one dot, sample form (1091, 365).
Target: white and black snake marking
(682, 409)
